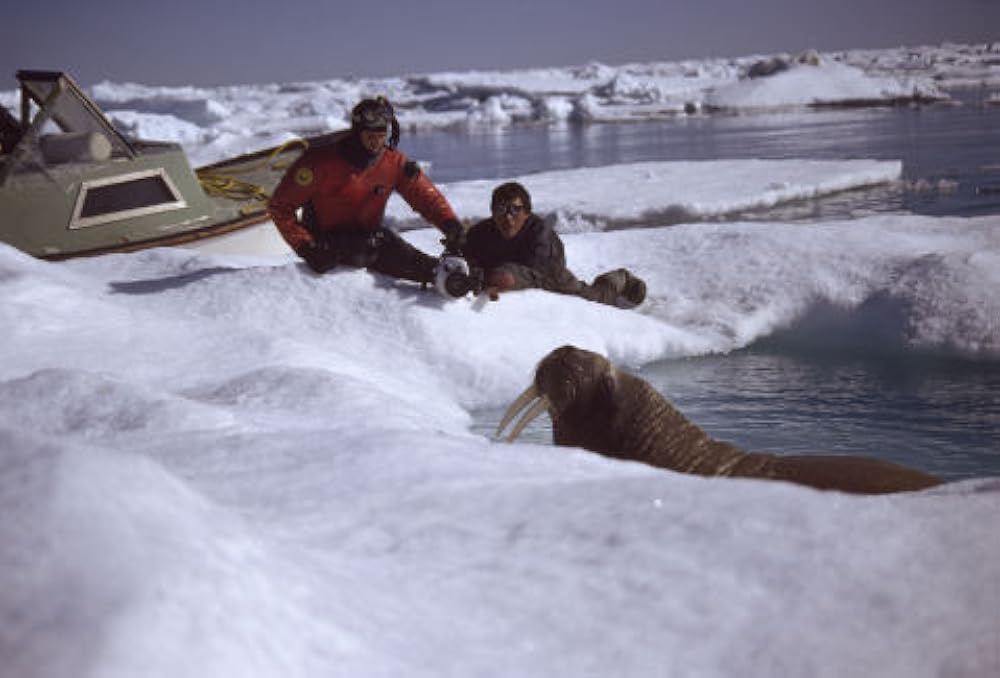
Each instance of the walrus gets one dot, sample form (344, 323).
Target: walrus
(599, 407)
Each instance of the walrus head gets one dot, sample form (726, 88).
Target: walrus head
(570, 384)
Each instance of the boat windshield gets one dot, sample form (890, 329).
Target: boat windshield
(60, 100)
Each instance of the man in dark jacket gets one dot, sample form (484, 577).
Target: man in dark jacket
(342, 186)
(517, 250)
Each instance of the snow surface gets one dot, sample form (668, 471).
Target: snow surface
(227, 466)
(221, 465)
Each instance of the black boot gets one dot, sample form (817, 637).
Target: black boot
(635, 290)
(624, 289)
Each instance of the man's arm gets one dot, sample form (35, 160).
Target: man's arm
(295, 189)
(427, 201)
(544, 250)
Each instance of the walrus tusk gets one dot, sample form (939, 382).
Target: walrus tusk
(519, 404)
(538, 408)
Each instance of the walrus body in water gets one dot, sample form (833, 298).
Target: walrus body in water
(599, 407)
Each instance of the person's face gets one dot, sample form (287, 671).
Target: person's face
(373, 140)
(510, 216)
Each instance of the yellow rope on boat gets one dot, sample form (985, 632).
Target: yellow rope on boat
(225, 185)
(228, 187)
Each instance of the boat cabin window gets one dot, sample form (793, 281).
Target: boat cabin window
(124, 197)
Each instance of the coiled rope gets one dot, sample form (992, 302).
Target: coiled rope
(216, 183)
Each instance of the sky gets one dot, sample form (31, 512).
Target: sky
(228, 42)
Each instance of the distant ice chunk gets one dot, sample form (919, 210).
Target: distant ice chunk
(158, 127)
(556, 108)
(829, 83)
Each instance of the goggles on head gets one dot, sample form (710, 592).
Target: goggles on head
(374, 119)
(376, 115)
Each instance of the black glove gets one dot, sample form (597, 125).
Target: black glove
(454, 236)
(318, 255)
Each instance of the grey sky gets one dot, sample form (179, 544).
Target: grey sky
(227, 42)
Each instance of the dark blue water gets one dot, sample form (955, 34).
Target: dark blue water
(788, 394)
(938, 415)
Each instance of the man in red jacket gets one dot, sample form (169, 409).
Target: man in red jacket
(342, 187)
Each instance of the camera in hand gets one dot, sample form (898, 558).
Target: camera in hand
(454, 279)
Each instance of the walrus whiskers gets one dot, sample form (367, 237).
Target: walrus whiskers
(525, 400)
(596, 406)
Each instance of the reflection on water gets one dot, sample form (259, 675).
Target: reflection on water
(950, 154)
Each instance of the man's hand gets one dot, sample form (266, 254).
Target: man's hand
(318, 256)
(454, 236)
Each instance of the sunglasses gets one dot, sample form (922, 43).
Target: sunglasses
(508, 209)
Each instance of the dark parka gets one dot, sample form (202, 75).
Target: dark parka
(535, 256)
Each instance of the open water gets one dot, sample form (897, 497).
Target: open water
(795, 393)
